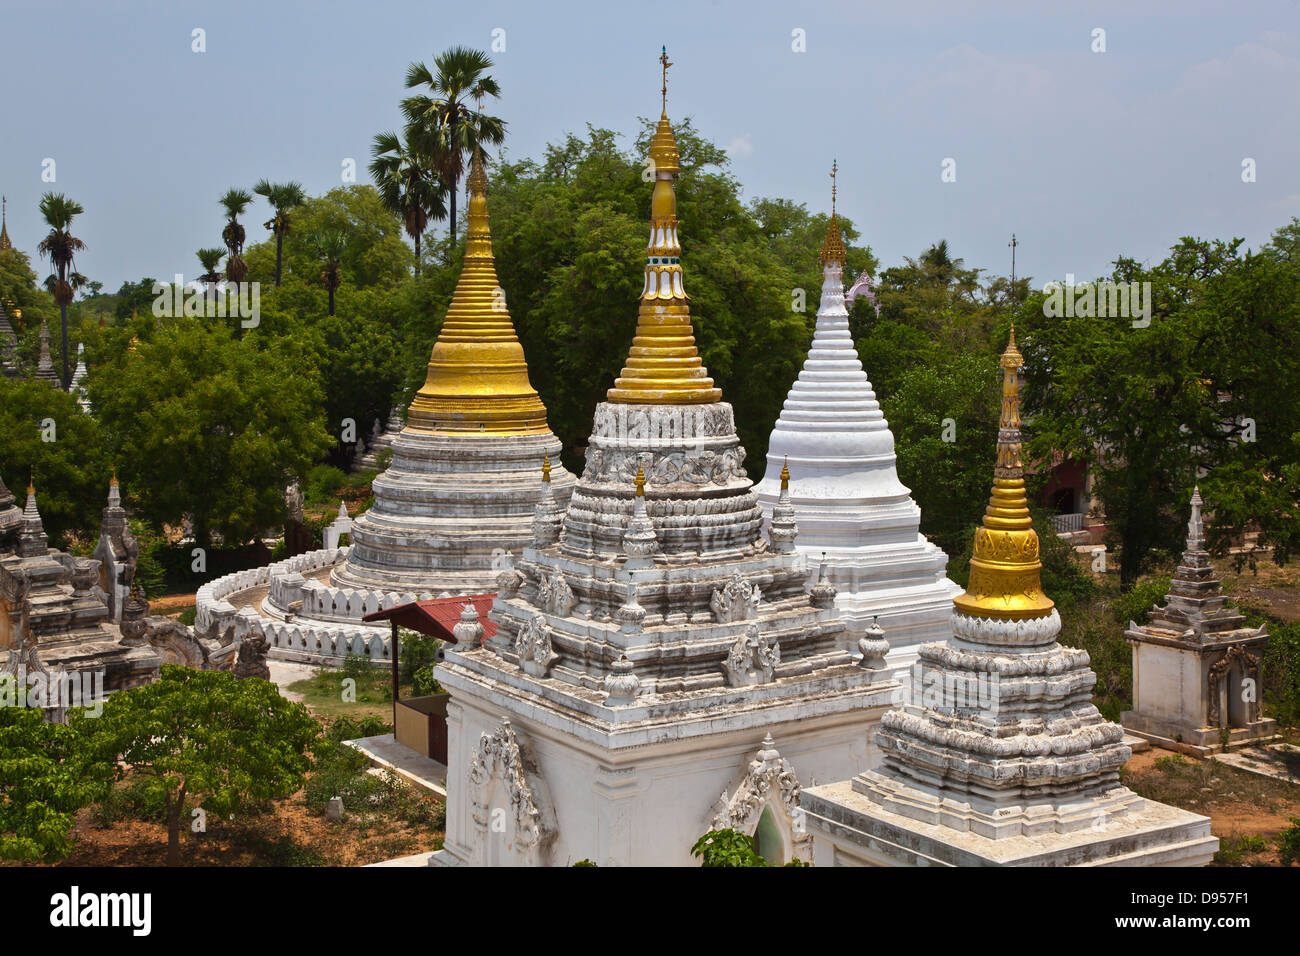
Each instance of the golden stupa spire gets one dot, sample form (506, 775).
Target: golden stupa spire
(833, 247)
(663, 366)
(4, 225)
(1004, 567)
(478, 379)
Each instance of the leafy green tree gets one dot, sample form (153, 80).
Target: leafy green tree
(1149, 407)
(135, 299)
(70, 471)
(408, 186)
(207, 739)
(42, 784)
(235, 201)
(374, 254)
(60, 246)
(24, 302)
(441, 121)
(205, 424)
(944, 417)
(731, 848)
(330, 245)
(284, 198)
(210, 259)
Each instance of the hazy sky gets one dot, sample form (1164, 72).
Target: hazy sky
(1083, 155)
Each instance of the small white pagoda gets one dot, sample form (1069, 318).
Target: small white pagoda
(1000, 758)
(1197, 667)
(854, 515)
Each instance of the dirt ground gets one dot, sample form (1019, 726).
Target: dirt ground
(1247, 811)
(291, 834)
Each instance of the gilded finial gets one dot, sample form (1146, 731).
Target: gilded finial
(477, 380)
(113, 481)
(663, 59)
(546, 468)
(477, 181)
(663, 366)
(833, 248)
(785, 474)
(640, 482)
(1004, 567)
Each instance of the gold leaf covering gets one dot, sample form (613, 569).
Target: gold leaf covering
(478, 379)
(1004, 569)
(663, 365)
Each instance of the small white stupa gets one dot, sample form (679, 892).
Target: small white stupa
(848, 501)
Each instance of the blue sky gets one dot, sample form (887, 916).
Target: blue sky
(1083, 155)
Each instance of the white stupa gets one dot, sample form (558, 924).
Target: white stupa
(844, 485)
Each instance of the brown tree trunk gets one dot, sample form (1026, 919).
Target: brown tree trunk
(279, 249)
(174, 809)
(63, 322)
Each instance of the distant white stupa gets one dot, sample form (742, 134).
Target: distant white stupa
(848, 501)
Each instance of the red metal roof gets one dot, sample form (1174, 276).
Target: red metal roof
(437, 617)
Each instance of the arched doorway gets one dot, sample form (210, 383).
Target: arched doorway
(768, 839)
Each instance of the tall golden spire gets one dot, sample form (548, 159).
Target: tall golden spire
(663, 366)
(4, 225)
(478, 379)
(833, 247)
(1004, 581)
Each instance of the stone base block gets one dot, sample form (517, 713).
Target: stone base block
(850, 830)
(1198, 742)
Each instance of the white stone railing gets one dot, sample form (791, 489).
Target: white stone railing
(321, 622)
(1064, 524)
(322, 642)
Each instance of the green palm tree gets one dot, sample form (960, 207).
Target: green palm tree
(446, 128)
(283, 197)
(60, 246)
(209, 259)
(235, 202)
(408, 186)
(329, 245)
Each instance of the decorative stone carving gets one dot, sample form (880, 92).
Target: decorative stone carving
(621, 684)
(1249, 664)
(499, 758)
(873, 648)
(823, 592)
(469, 629)
(769, 781)
(533, 645)
(738, 600)
(752, 659)
(630, 614)
(548, 519)
(783, 529)
(252, 657)
(555, 595)
(293, 502)
(509, 580)
(135, 625)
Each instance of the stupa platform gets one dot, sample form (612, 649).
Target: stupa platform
(850, 829)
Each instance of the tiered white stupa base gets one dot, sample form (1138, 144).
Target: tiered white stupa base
(1000, 759)
(848, 500)
(447, 510)
(642, 661)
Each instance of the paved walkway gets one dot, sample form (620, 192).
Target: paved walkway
(284, 673)
(414, 768)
